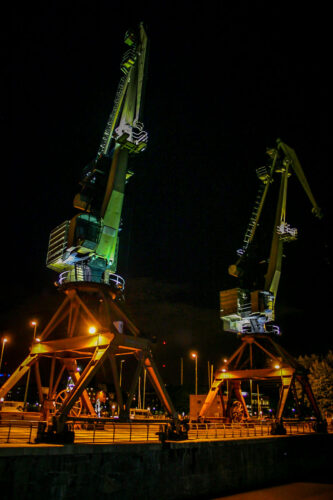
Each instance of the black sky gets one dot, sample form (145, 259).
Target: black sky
(225, 80)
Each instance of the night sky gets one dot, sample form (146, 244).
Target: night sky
(225, 80)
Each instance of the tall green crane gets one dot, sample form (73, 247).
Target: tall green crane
(85, 248)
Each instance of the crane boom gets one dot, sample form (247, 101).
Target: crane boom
(85, 248)
(282, 231)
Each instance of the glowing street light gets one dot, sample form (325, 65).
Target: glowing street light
(225, 367)
(4, 341)
(92, 330)
(194, 356)
(34, 324)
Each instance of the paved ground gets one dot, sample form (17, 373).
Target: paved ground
(293, 491)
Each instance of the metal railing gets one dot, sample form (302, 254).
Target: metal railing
(82, 273)
(97, 431)
(85, 432)
(243, 430)
(18, 431)
(117, 432)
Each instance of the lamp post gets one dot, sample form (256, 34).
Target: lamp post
(195, 357)
(278, 366)
(144, 388)
(4, 341)
(34, 324)
(122, 361)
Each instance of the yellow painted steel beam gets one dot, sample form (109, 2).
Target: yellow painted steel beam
(123, 317)
(291, 155)
(210, 397)
(269, 354)
(50, 326)
(116, 382)
(87, 374)
(39, 382)
(159, 386)
(73, 343)
(74, 296)
(236, 388)
(84, 395)
(304, 381)
(127, 342)
(272, 277)
(255, 373)
(22, 369)
(134, 384)
(284, 391)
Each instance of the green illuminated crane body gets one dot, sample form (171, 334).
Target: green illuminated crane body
(248, 309)
(85, 248)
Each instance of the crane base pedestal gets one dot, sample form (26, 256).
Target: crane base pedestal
(65, 342)
(260, 358)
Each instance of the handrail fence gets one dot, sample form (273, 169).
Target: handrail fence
(96, 431)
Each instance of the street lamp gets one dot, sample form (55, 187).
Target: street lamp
(194, 356)
(4, 341)
(34, 324)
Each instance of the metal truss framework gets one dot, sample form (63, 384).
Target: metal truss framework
(241, 367)
(87, 304)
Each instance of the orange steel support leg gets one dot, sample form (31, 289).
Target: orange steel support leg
(286, 381)
(65, 341)
(116, 380)
(236, 388)
(23, 368)
(158, 384)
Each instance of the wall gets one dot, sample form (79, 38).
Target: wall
(156, 471)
